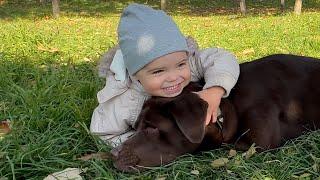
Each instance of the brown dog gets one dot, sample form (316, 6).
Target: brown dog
(276, 98)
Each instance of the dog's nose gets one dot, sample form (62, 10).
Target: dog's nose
(115, 151)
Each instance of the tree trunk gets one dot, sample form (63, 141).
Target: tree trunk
(163, 4)
(2, 2)
(55, 8)
(243, 7)
(282, 6)
(297, 7)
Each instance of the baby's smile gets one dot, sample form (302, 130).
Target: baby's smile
(173, 90)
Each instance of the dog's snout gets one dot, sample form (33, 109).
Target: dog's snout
(115, 151)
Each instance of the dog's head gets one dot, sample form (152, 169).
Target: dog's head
(167, 128)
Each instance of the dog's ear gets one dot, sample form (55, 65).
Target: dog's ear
(189, 111)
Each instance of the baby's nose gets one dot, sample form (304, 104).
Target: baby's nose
(172, 77)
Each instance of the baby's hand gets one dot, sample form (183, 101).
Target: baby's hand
(213, 96)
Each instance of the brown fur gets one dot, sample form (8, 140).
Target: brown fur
(276, 98)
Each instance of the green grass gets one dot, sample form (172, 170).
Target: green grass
(48, 83)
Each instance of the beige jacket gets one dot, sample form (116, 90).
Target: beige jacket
(120, 102)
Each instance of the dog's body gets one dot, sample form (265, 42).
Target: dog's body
(276, 98)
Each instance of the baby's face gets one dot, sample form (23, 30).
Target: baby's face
(166, 76)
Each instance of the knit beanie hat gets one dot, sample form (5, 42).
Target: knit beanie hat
(146, 34)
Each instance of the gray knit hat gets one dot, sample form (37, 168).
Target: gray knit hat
(146, 34)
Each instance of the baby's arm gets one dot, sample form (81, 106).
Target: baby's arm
(220, 70)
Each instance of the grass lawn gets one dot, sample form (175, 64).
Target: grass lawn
(48, 84)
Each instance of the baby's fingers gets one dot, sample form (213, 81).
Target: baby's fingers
(211, 117)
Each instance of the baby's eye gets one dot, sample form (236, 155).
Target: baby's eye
(157, 72)
(182, 64)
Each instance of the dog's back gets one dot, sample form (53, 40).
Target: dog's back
(276, 98)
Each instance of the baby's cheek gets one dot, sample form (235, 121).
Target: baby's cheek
(188, 75)
(153, 88)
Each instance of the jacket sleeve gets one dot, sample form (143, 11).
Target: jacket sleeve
(108, 125)
(114, 118)
(217, 66)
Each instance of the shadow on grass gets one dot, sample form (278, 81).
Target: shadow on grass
(45, 89)
(100, 8)
(50, 106)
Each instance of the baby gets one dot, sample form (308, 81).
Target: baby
(155, 59)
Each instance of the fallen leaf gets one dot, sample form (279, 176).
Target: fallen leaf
(229, 172)
(69, 173)
(4, 127)
(304, 175)
(86, 59)
(251, 151)
(248, 51)
(195, 172)
(219, 162)
(98, 155)
(47, 49)
(76, 125)
(232, 153)
(161, 178)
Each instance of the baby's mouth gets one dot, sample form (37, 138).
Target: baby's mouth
(171, 90)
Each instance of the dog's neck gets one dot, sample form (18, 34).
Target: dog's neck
(229, 122)
(219, 121)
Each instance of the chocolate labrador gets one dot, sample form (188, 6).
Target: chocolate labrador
(275, 99)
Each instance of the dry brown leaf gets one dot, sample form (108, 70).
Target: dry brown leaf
(248, 51)
(232, 153)
(251, 151)
(98, 155)
(86, 59)
(76, 125)
(304, 175)
(66, 174)
(4, 127)
(219, 162)
(195, 172)
(47, 49)
(161, 178)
